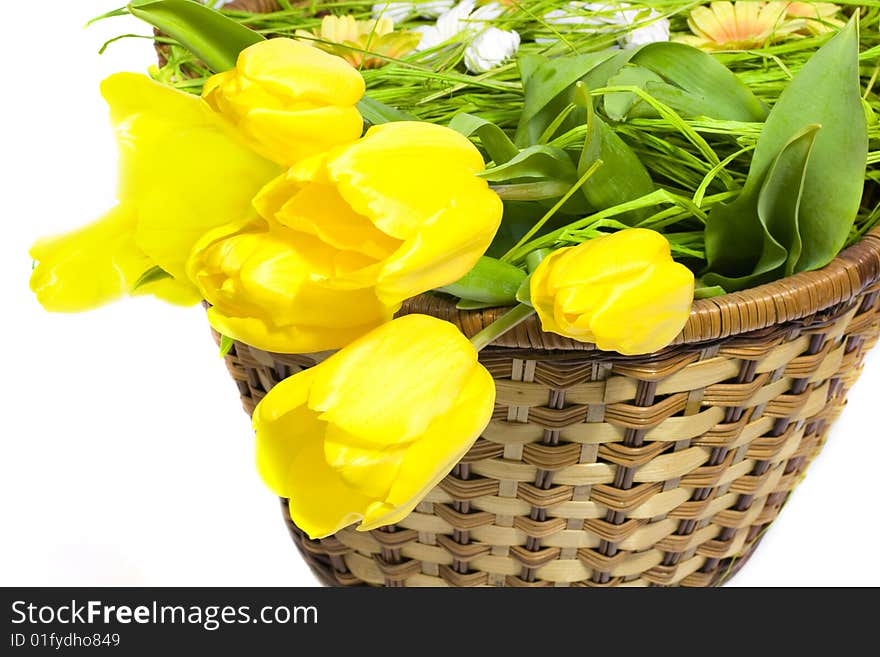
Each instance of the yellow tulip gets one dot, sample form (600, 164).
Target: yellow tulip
(97, 264)
(352, 233)
(262, 292)
(183, 171)
(623, 292)
(367, 433)
(289, 99)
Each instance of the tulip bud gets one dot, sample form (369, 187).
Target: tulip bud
(367, 433)
(623, 292)
(289, 100)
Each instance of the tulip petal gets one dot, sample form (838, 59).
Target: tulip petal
(321, 503)
(290, 339)
(401, 403)
(289, 100)
(290, 459)
(369, 471)
(648, 314)
(265, 294)
(543, 295)
(430, 458)
(97, 264)
(609, 259)
(161, 130)
(286, 137)
(283, 425)
(385, 176)
(446, 247)
(319, 210)
(297, 72)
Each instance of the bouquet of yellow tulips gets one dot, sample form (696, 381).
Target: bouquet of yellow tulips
(600, 165)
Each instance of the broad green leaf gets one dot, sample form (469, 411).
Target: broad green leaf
(226, 345)
(208, 34)
(524, 293)
(377, 113)
(709, 291)
(467, 304)
(684, 103)
(549, 87)
(723, 95)
(528, 64)
(532, 191)
(619, 104)
(704, 85)
(520, 217)
(774, 239)
(826, 93)
(622, 177)
(535, 258)
(544, 162)
(496, 142)
(780, 196)
(490, 281)
(152, 275)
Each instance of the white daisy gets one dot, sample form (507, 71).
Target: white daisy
(649, 24)
(490, 49)
(487, 46)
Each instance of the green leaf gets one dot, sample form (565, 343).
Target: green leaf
(780, 196)
(520, 217)
(226, 345)
(707, 292)
(467, 304)
(208, 34)
(534, 191)
(722, 95)
(822, 208)
(378, 113)
(619, 104)
(774, 239)
(496, 142)
(684, 103)
(490, 281)
(622, 177)
(544, 162)
(152, 275)
(535, 258)
(549, 88)
(524, 293)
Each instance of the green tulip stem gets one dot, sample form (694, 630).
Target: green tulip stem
(502, 325)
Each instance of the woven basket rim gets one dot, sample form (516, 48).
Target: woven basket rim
(791, 298)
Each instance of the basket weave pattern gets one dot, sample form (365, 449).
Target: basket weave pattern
(604, 470)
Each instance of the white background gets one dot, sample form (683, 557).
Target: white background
(126, 458)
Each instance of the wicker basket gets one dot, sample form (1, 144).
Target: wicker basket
(603, 470)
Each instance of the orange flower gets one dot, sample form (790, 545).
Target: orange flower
(363, 44)
(739, 25)
(817, 17)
